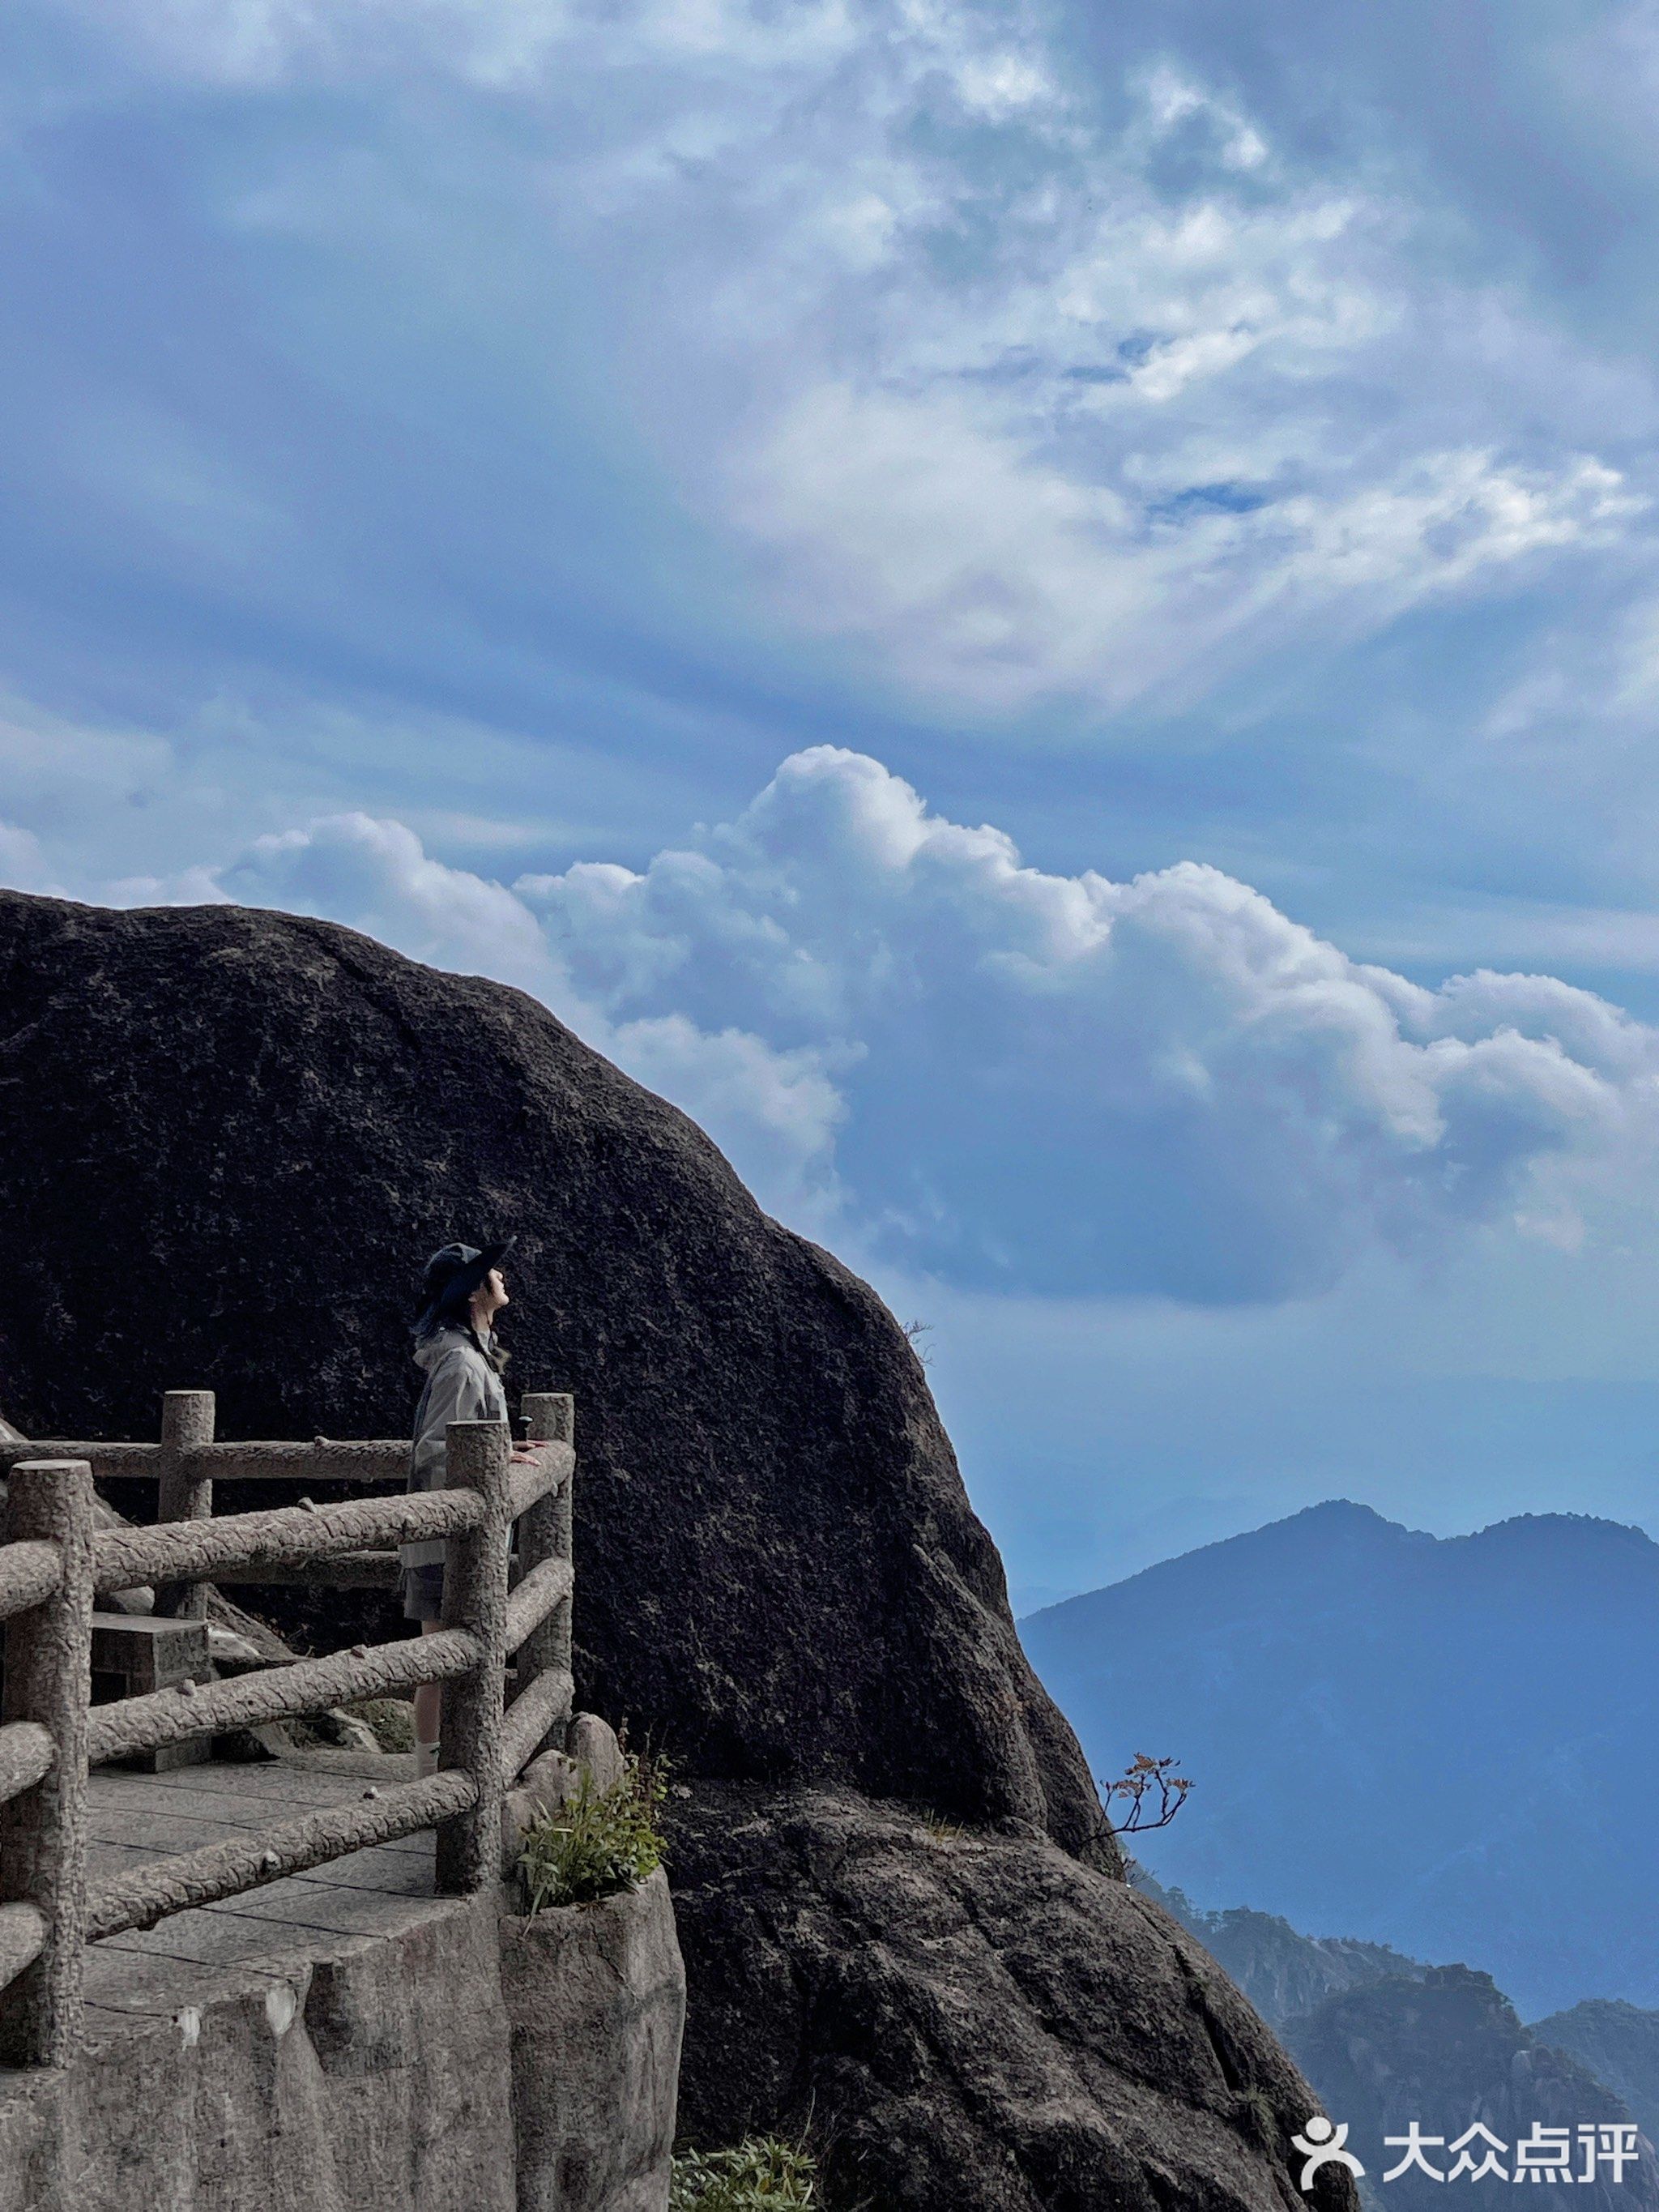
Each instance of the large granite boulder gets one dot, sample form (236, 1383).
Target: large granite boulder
(227, 1139)
(967, 2019)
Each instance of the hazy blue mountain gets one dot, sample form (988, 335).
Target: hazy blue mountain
(1619, 2043)
(1283, 1973)
(1448, 1745)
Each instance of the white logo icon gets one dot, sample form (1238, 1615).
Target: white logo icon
(1322, 2146)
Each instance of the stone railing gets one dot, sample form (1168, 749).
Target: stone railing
(54, 1562)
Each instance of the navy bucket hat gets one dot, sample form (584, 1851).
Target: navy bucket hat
(451, 1275)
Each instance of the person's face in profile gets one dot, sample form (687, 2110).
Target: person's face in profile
(489, 1299)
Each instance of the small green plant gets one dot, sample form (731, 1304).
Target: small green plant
(763, 2173)
(601, 1842)
(937, 1825)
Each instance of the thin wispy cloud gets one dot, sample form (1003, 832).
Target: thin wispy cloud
(1022, 388)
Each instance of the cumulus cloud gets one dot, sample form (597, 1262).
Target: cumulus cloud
(1075, 1085)
(378, 876)
(775, 1111)
(22, 862)
(910, 1040)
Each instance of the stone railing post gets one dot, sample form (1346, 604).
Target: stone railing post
(544, 1533)
(43, 1830)
(187, 1418)
(475, 1598)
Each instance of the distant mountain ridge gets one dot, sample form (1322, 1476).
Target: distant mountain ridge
(1284, 1974)
(1379, 2034)
(1449, 1745)
(1619, 2043)
(1446, 2051)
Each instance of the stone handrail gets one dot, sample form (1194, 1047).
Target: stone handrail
(29, 1574)
(56, 1563)
(151, 1892)
(157, 1717)
(324, 1459)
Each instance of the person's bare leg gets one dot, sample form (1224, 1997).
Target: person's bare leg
(429, 1704)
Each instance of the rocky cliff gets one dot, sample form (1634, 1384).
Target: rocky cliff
(1386, 2040)
(1448, 2052)
(1620, 2044)
(227, 1139)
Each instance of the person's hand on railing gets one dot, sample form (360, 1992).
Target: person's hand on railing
(522, 1455)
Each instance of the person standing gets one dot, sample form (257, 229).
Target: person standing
(462, 1290)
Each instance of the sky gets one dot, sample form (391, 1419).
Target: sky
(1047, 616)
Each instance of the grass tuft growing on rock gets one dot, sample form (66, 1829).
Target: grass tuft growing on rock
(763, 2173)
(601, 1842)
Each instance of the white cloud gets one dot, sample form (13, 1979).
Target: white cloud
(951, 1062)
(975, 453)
(1454, 516)
(775, 1114)
(378, 876)
(22, 863)
(976, 567)
(997, 574)
(1173, 99)
(774, 1111)
(1022, 385)
(1075, 1084)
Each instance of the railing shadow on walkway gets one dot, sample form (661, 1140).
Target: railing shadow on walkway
(54, 1562)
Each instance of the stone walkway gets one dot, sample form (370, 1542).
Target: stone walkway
(196, 1956)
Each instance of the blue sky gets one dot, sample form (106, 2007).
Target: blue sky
(1050, 622)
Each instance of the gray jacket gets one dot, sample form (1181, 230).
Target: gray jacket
(459, 1387)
